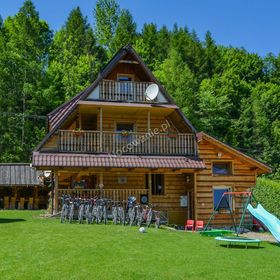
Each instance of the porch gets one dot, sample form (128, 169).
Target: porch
(163, 190)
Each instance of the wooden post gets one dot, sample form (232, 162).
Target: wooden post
(149, 128)
(100, 129)
(80, 120)
(55, 191)
(101, 185)
(195, 196)
(150, 186)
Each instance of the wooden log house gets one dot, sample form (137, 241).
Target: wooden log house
(111, 140)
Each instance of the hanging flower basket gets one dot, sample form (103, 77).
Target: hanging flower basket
(78, 132)
(125, 133)
(172, 135)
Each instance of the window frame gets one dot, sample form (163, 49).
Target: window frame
(132, 76)
(231, 202)
(153, 187)
(230, 162)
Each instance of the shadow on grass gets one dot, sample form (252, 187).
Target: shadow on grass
(275, 244)
(236, 246)
(7, 221)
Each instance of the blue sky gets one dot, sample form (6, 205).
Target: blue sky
(252, 24)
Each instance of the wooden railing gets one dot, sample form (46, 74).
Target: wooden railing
(123, 91)
(132, 143)
(114, 194)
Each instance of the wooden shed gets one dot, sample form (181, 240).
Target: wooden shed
(21, 187)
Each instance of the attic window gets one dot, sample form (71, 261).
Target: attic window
(125, 77)
(222, 168)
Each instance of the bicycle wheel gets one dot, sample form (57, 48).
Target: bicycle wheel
(149, 218)
(105, 214)
(131, 216)
(157, 221)
(81, 214)
(71, 213)
(62, 215)
(115, 215)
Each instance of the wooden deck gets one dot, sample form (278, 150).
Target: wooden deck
(130, 143)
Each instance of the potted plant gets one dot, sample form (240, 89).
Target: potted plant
(78, 131)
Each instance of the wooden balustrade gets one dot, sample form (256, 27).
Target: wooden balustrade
(119, 143)
(114, 194)
(79, 141)
(123, 91)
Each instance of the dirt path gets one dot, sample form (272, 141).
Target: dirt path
(262, 236)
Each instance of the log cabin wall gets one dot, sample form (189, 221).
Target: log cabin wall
(242, 179)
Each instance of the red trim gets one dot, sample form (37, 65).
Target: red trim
(236, 193)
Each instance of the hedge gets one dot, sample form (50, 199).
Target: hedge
(267, 193)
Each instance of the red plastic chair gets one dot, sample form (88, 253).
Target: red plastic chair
(199, 225)
(189, 225)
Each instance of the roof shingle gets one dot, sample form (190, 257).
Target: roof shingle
(89, 160)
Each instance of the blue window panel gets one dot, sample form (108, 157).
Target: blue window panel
(225, 202)
(222, 168)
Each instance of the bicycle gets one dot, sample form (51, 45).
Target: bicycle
(65, 208)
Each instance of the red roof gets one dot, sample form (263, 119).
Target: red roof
(90, 160)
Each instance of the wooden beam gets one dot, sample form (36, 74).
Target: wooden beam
(128, 61)
(55, 192)
(195, 196)
(149, 128)
(150, 186)
(101, 129)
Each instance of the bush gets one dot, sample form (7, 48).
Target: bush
(267, 192)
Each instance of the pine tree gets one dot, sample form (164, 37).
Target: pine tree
(125, 32)
(75, 58)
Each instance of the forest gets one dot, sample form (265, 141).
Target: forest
(225, 91)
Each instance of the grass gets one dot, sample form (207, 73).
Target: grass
(37, 248)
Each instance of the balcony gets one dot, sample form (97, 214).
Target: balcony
(127, 143)
(123, 91)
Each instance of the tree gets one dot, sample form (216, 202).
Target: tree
(125, 32)
(213, 114)
(106, 16)
(146, 44)
(179, 82)
(75, 59)
(24, 48)
(212, 56)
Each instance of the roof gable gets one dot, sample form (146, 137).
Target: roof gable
(260, 165)
(58, 116)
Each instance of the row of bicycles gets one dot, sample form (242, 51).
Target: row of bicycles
(100, 210)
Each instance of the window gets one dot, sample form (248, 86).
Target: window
(222, 168)
(124, 130)
(226, 202)
(125, 127)
(89, 121)
(157, 184)
(125, 86)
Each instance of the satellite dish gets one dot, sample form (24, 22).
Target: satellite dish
(151, 92)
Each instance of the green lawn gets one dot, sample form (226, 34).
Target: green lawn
(38, 248)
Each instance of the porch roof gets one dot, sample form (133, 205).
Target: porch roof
(88, 160)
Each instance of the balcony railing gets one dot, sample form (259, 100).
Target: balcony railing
(123, 91)
(114, 194)
(129, 143)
